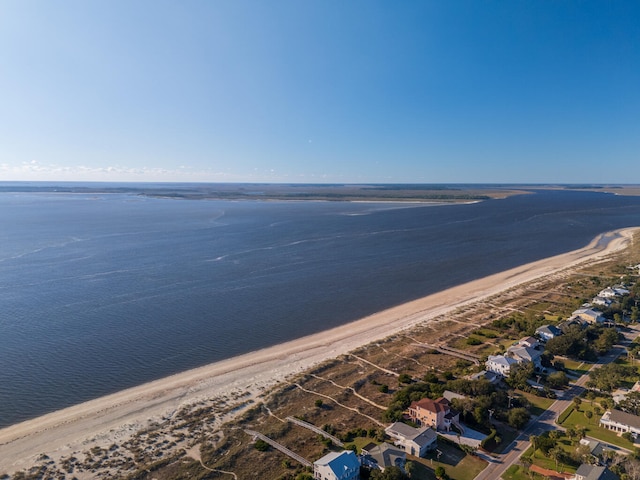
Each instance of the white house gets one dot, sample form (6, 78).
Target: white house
(602, 301)
(337, 466)
(607, 293)
(414, 441)
(500, 364)
(621, 422)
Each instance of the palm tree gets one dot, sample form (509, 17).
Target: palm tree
(557, 454)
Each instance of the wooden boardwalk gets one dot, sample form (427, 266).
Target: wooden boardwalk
(313, 428)
(279, 447)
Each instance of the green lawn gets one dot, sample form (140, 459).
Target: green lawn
(517, 472)
(538, 404)
(577, 418)
(578, 367)
(456, 463)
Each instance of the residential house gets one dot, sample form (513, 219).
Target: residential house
(621, 290)
(571, 322)
(500, 364)
(414, 441)
(594, 472)
(602, 301)
(622, 422)
(589, 315)
(525, 354)
(530, 342)
(608, 293)
(547, 332)
(383, 456)
(596, 449)
(337, 466)
(434, 413)
(491, 377)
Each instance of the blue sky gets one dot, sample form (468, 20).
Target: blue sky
(320, 91)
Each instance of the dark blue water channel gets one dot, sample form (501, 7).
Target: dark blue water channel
(103, 292)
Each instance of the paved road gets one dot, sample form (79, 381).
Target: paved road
(546, 421)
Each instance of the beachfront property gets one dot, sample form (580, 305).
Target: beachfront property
(528, 349)
(526, 354)
(589, 315)
(573, 321)
(434, 413)
(337, 466)
(500, 364)
(621, 422)
(491, 377)
(601, 301)
(593, 472)
(414, 441)
(613, 292)
(547, 332)
(383, 456)
(529, 342)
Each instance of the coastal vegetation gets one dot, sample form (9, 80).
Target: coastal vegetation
(352, 398)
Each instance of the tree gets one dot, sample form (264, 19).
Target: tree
(405, 378)
(261, 445)
(526, 464)
(557, 454)
(519, 374)
(557, 380)
(410, 468)
(589, 415)
(440, 473)
(577, 401)
(390, 473)
(318, 403)
(518, 417)
(631, 404)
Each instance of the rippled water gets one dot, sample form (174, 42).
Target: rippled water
(103, 292)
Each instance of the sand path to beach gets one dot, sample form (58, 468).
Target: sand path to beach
(113, 418)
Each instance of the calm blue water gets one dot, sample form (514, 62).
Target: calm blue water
(103, 292)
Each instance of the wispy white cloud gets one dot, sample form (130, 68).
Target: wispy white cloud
(36, 171)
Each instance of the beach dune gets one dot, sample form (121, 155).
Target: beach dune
(115, 417)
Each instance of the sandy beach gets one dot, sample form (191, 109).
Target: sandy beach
(115, 417)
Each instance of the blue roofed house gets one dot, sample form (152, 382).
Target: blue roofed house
(337, 466)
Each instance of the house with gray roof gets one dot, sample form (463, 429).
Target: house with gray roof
(589, 315)
(414, 441)
(500, 364)
(621, 422)
(547, 332)
(594, 472)
(385, 455)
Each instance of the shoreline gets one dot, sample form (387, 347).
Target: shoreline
(115, 417)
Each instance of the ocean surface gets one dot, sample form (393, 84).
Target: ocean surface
(100, 292)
